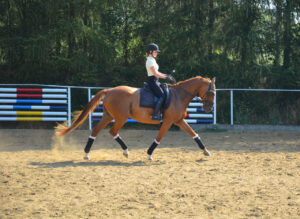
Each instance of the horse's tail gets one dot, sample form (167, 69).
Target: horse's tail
(63, 129)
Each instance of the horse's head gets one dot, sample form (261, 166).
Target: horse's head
(208, 96)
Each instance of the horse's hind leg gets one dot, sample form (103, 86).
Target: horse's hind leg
(114, 131)
(187, 128)
(105, 120)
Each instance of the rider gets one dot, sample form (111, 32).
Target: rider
(153, 76)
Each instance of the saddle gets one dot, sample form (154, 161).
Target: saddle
(148, 99)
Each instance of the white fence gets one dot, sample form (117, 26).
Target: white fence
(231, 90)
(16, 94)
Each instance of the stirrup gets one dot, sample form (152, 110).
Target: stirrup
(156, 117)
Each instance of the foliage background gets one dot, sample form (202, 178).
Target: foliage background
(245, 44)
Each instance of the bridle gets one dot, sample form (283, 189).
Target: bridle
(209, 93)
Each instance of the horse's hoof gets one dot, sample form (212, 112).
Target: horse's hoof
(206, 153)
(126, 153)
(150, 158)
(86, 157)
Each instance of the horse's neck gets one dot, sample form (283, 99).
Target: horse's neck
(185, 96)
(187, 90)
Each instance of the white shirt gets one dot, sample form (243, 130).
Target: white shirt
(149, 63)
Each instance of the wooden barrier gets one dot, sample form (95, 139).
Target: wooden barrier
(26, 101)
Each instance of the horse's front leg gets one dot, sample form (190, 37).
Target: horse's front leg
(187, 128)
(163, 129)
(114, 131)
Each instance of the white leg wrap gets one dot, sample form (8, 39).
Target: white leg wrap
(92, 137)
(156, 141)
(196, 136)
(116, 136)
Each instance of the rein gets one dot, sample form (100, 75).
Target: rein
(208, 94)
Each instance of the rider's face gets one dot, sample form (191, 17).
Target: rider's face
(154, 54)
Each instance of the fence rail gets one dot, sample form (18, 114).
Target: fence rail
(52, 94)
(231, 90)
(22, 103)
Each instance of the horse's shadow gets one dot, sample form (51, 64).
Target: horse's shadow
(91, 164)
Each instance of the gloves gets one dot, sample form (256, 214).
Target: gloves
(171, 79)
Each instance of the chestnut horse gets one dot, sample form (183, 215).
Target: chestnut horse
(123, 102)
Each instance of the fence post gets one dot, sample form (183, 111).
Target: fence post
(231, 107)
(215, 109)
(69, 106)
(90, 115)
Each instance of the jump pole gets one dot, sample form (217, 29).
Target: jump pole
(90, 115)
(69, 106)
(231, 107)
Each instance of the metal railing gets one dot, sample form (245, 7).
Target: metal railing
(231, 90)
(242, 89)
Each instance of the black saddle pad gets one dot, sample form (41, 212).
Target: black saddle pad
(148, 99)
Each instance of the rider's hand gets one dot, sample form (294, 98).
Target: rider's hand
(171, 78)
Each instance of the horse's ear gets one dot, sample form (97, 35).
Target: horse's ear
(213, 81)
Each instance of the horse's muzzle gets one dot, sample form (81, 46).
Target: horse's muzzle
(208, 106)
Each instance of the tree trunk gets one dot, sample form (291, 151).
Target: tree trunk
(244, 52)
(24, 30)
(85, 22)
(277, 32)
(126, 36)
(71, 39)
(57, 47)
(287, 34)
(211, 19)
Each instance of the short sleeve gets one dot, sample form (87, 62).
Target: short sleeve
(150, 63)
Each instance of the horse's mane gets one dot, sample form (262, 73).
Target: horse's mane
(190, 79)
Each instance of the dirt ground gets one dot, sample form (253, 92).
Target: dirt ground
(249, 175)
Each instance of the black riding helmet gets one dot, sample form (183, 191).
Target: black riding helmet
(152, 47)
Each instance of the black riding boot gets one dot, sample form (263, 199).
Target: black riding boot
(157, 108)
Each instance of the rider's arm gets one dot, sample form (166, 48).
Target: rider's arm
(157, 73)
